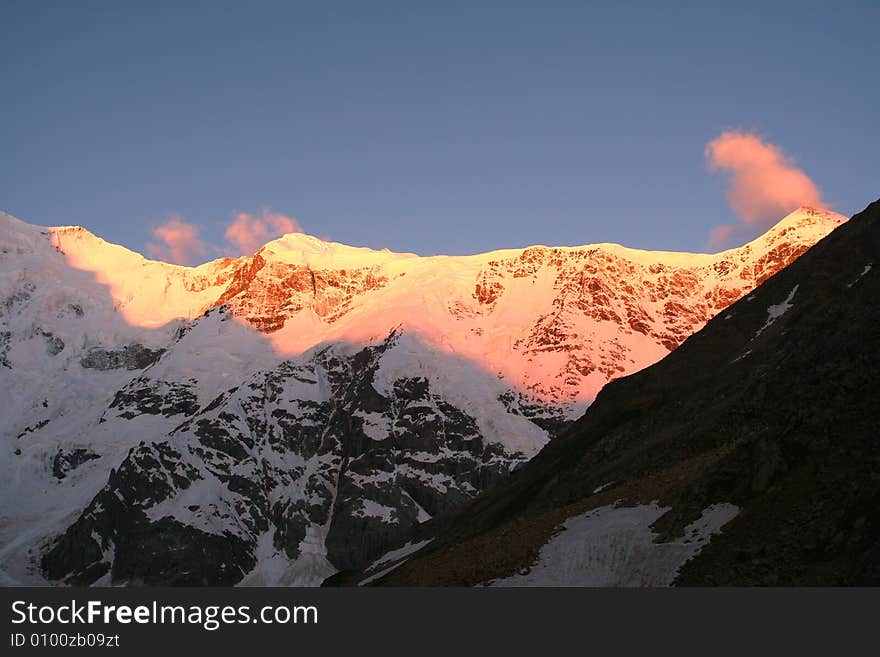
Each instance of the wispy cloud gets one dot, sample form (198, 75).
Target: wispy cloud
(764, 183)
(248, 232)
(720, 235)
(178, 242)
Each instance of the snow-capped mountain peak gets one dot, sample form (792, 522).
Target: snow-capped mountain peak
(315, 401)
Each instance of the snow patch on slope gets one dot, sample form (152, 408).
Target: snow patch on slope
(776, 311)
(614, 546)
(395, 557)
(861, 275)
(273, 567)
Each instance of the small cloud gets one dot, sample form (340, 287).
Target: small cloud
(764, 185)
(248, 232)
(180, 242)
(721, 234)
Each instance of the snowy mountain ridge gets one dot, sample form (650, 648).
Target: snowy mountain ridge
(309, 405)
(513, 311)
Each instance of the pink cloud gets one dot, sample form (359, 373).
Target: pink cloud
(765, 184)
(180, 242)
(249, 232)
(721, 234)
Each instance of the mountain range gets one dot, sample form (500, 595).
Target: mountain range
(314, 408)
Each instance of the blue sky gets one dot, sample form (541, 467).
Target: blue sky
(443, 127)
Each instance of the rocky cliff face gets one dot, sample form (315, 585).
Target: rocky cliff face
(273, 419)
(307, 464)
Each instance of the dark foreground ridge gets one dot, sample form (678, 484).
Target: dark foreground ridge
(773, 407)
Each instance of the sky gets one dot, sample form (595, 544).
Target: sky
(187, 130)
